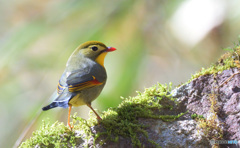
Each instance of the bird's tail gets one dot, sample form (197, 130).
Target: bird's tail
(60, 100)
(52, 105)
(63, 104)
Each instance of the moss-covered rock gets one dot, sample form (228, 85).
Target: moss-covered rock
(159, 116)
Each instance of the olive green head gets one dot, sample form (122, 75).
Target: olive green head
(91, 49)
(94, 50)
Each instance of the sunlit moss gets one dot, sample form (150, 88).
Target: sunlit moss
(55, 135)
(120, 121)
(227, 61)
(123, 120)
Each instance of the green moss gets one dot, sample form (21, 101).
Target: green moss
(123, 120)
(196, 116)
(120, 121)
(55, 135)
(227, 61)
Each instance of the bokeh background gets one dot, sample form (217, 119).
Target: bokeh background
(157, 41)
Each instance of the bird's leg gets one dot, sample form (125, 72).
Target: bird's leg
(69, 113)
(98, 117)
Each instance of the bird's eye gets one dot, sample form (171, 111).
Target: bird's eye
(94, 48)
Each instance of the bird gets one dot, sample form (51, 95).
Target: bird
(83, 78)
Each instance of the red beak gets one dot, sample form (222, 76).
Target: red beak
(109, 49)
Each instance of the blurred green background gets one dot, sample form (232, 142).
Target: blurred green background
(156, 41)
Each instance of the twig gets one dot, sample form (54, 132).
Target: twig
(229, 78)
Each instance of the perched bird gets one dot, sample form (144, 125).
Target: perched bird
(83, 79)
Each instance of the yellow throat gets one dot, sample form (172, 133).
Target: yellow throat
(100, 58)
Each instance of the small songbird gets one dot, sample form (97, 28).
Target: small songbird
(83, 79)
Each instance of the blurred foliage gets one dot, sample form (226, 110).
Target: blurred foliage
(37, 37)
